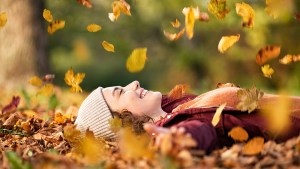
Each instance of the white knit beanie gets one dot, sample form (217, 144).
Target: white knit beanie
(94, 115)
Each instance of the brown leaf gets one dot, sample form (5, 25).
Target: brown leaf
(248, 99)
(267, 53)
(85, 3)
(12, 105)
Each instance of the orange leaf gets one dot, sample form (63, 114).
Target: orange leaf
(108, 46)
(47, 15)
(85, 3)
(227, 41)
(74, 80)
(36, 81)
(238, 134)
(46, 90)
(254, 146)
(287, 59)
(176, 23)
(56, 25)
(60, 118)
(93, 28)
(246, 11)
(215, 120)
(174, 36)
(178, 91)
(267, 53)
(3, 19)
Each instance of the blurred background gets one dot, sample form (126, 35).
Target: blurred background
(26, 49)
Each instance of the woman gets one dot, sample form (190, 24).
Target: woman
(191, 113)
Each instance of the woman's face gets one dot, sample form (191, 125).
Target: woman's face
(133, 98)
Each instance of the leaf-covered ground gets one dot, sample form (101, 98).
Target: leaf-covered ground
(37, 137)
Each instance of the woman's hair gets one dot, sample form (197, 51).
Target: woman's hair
(130, 120)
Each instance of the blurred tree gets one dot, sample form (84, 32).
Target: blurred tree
(23, 42)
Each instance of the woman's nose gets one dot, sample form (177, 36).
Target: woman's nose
(133, 85)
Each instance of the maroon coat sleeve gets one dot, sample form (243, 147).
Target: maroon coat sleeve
(208, 139)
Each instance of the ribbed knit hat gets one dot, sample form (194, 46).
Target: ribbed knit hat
(94, 115)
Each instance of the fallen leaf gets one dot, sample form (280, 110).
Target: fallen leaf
(227, 41)
(238, 134)
(93, 28)
(218, 8)
(174, 36)
(56, 25)
(178, 91)
(3, 19)
(108, 46)
(36, 81)
(85, 3)
(74, 80)
(12, 105)
(47, 15)
(247, 12)
(60, 118)
(253, 146)
(248, 99)
(216, 118)
(267, 53)
(267, 70)
(71, 133)
(136, 61)
(176, 23)
(46, 90)
(287, 59)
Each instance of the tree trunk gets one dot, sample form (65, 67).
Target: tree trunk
(22, 42)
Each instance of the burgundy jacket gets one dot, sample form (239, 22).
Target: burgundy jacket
(197, 122)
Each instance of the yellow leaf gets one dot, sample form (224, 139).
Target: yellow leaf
(46, 90)
(47, 15)
(3, 19)
(227, 41)
(136, 61)
(254, 146)
(267, 70)
(248, 14)
(26, 126)
(267, 53)
(56, 25)
(189, 21)
(178, 91)
(93, 28)
(174, 36)
(60, 118)
(74, 80)
(36, 81)
(71, 134)
(108, 46)
(248, 99)
(218, 8)
(275, 8)
(238, 134)
(277, 115)
(176, 23)
(118, 7)
(215, 120)
(115, 124)
(287, 59)
(124, 7)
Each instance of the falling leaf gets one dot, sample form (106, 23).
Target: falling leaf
(267, 70)
(178, 91)
(46, 90)
(85, 3)
(136, 61)
(12, 105)
(108, 46)
(277, 115)
(238, 134)
(267, 53)
(203, 16)
(176, 23)
(248, 99)
(215, 120)
(247, 12)
(47, 15)
(174, 36)
(3, 19)
(48, 77)
(253, 146)
(218, 8)
(56, 25)
(189, 21)
(273, 8)
(74, 80)
(287, 59)
(93, 28)
(36, 81)
(227, 41)
(118, 7)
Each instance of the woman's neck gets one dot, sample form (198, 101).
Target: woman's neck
(158, 115)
